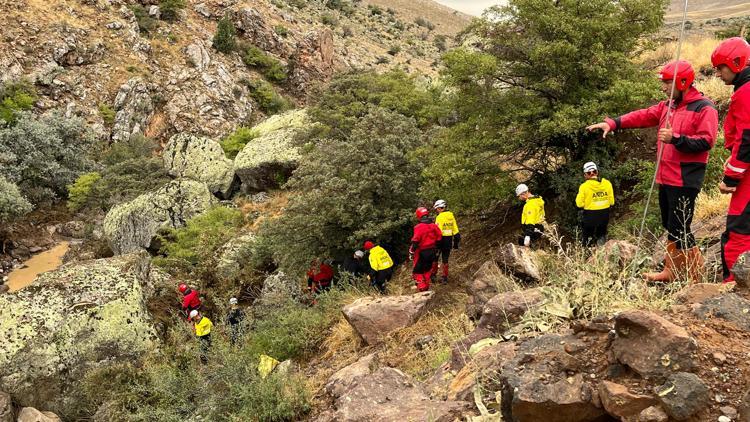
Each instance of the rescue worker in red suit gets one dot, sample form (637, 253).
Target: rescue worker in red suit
(191, 299)
(685, 141)
(423, 248)
(319, 276)
(730, 59)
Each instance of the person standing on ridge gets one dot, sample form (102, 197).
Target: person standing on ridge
(381, 265)
(319, 277)
(235, 316)
(423, 249)
(595, 197)
(731, 59)
(532, 216)
(451, 239)
(191, 299)
(683, 145)
(202, 327)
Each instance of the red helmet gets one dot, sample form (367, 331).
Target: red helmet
(182, 287)
(368, 245)
(685, 74)
(733, 52)
(421, 212)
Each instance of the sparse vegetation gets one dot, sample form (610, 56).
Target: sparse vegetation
(225, 38)
(375, 10)
(424, 23)
(15, 97)
(281, 30)
(271, 68)
(329, 19)
(267, 98)
(441, 42)
(234, 143)
(394, 49)
(147, 25)
(170, 9)
(107, 113)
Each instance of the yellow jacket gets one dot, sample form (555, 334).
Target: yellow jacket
(595, 195)
(379, 259)
(533, 211)
(203, 327)
(447, 223)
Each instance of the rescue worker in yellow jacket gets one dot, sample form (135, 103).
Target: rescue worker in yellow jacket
(202, 327)
(532, 216)
(595, 197)
(450, 240)
(381, 265)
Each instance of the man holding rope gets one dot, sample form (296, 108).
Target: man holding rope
(688, 123)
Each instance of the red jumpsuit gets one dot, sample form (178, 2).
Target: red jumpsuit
(424, 247)
(736, 239)
(320, 278)
(191, 301)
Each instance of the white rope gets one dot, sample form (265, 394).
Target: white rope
(668, 121)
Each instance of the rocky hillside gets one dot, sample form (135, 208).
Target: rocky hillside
(127, 69)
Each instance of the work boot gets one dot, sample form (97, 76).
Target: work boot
(674, 259)
(444, 278)
(696, 265)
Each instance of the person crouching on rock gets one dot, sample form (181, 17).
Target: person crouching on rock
(191, 299)
(202, 327)
(532, 216)
(423, 248)
(319, 277)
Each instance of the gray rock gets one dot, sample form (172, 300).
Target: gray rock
(269, 159)
(741, 270)
(198, 55)
(7, 413)
(683, 395)
(200, 159)
(131, 226)
(506, 309)
(488, 282)
(72, 319)
(114, 25)
(234, 255)
(312, 60)
(29, 414)
(154, 11)
(278, 289)
(254, 27)
(202, 10)
(373, 318)
(519, 261)
(10, 68)
(134, 109)
(343, 379)
(653, 414)
(730, 307)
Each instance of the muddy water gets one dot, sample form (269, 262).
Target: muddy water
(37, 264)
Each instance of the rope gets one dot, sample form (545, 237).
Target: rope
(668, 120)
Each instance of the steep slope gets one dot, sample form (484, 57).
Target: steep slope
(447, 21)
(707, 9)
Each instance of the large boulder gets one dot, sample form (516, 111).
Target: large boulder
(506, 309)
(70, 320)
(484, 367)
(254, 27)
(234, 255)
(312, 60)
(132, 226)
(342, 379)
(201, 159)
(519, 261)
(618, 252)
(278, 289)
(488, 282)
(652, 346)
(134, 109)
(683, 395)
(388, 394)
(373, 318)
(268, 160)
(29, 414)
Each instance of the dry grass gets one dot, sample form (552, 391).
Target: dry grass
(715, 89)
(711, 204)
(696, 50)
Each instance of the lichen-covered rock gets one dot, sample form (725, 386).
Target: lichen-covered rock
(69, 320)
(134, 109)
(741, 270)
(278, 288)
(200, 159)
(6, 408)
(233, 256)
(269, 159)
(131, 226)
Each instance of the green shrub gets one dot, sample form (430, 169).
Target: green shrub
(192, 248)
(328, 19)
(424, 23)
(15, 97)
(440, 42)
(137, 146)
(170, 9)
(375, 10)
(42, 155)
(147, 25)
(267, 98)
(225, 37)
(281, 30)
(271, 68)
(80, 191)
(12, 204)
(395, 49)
(234, 143)
(108, 115)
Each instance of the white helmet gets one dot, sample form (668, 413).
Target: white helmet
(590, 166)
(440, 203)
(359, 254)
(233, 301)
(193, 313)
(521, 189)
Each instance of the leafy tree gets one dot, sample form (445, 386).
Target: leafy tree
(79, 192)
(356, 186)
(12, 204)
(15, 97)
(271, 68)
(43, 155)
(225, 37)
(540, 73)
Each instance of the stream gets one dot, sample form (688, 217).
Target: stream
(37, 264)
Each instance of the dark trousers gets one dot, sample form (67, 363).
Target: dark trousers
(205, 346)
(380, 278)
(677, 206)
(534, 231)
(444, 247)
(594, 226)
(423, 261)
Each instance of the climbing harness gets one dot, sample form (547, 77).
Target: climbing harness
(668, 120)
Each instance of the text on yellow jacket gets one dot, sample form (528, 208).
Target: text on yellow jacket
(595, 195)
(447, 223)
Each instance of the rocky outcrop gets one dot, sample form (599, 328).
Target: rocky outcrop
(10, 68)
(234, 255)
(278, 289)
(72, 319)
(7, 413)
(29, 414)
(506, 309)
(200, 159)
(254, 27)
(652, 346)
(683, 395)
(488, 281)
(131, 226)
(519, 261)
(342, 379)
(134, 109)
(313, 59)
(373, 318)
(198, 56)
(268, 160)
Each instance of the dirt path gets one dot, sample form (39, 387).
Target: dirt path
(38, 264)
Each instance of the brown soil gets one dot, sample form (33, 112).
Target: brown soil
(38, 264)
